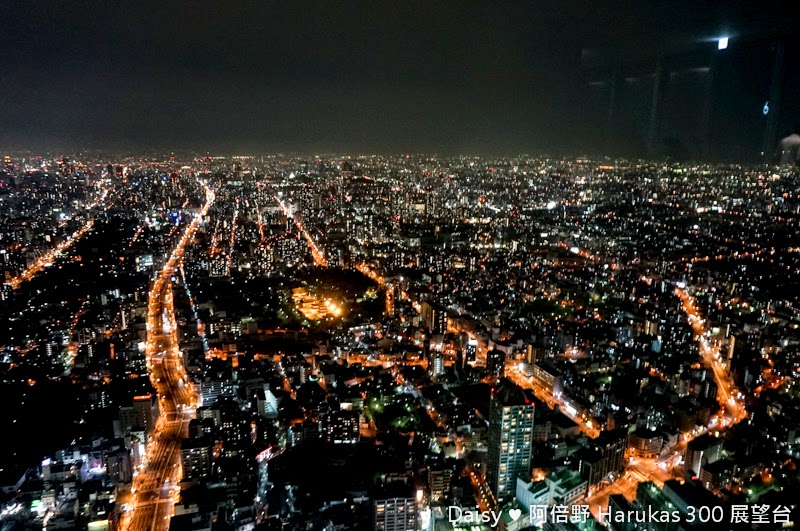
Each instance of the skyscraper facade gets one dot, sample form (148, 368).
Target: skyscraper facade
(510, 438)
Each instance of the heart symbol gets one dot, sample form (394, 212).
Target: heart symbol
(515, 514)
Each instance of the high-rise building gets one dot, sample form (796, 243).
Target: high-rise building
(510, 438)
(651, 498)
(436, 364)
(565, 486)
(532, 493)
(218, 266)
(119, 466)
(606, 460)
(717, 475)
(471, 352)
(212, 390)
(618, 504)
(439, 477)
(701, 451)
(195, 458)
(434, 317)
(141, 414)
(676, 499)
(548, 376)
(645, 443)
(395, 513)
(341, 427)
(495, 362)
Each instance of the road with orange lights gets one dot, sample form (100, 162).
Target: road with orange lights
(370, 272)
(316, 253)
(48, 257)
(527, 382)
(155, 486)
(727, 394)
(660, 469)
(657, 470)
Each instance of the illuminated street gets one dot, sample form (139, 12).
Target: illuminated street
(728, 395)
(155, 487)
(528, 382)
(317, 255)
(50, 256)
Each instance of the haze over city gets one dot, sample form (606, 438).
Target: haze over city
(307, 77)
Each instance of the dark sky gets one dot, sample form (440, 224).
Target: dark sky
(318, 76)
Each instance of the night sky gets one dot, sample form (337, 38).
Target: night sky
(326, 76)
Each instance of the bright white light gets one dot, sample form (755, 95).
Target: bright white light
(722, 43)
(551, 205)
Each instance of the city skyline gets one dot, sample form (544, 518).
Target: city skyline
(447, 341)
(415, 266)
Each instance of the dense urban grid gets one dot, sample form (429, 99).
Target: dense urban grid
(398, 343)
